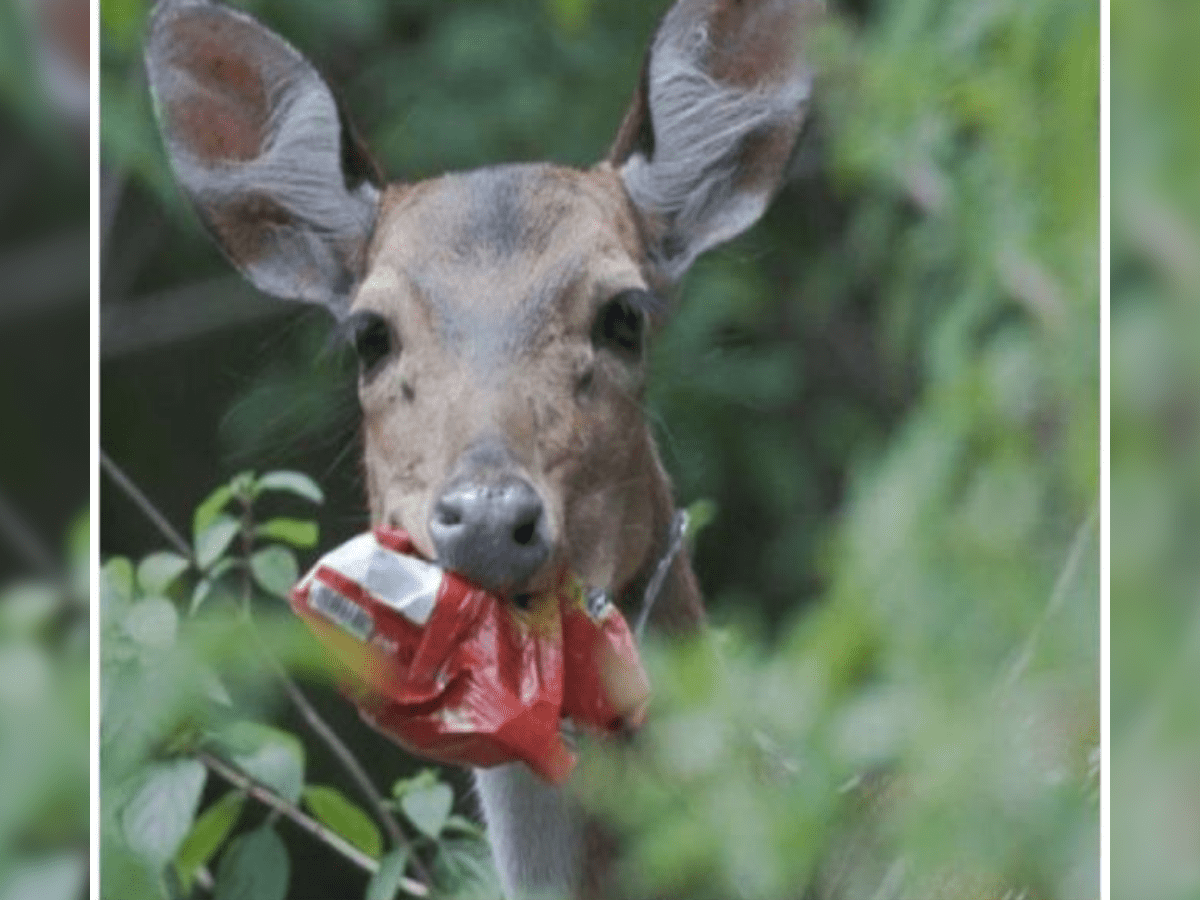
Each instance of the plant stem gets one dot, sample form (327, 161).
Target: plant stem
(134, 493)
(344, 755)
(270, 799)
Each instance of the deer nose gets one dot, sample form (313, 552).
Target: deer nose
(494, 535)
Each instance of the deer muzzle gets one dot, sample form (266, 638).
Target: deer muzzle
(494, 533)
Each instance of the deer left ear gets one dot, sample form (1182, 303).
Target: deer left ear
(707, 140)
(259, 145)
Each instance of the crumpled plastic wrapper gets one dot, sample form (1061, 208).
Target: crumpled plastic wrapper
(462, 676)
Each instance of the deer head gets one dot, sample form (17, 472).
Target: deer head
(500, 316)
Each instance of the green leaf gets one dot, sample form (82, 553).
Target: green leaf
(208, 511)
(268, 755)
(160, 813)
(386, 882)
(296, 483)
(428, 807)
(464, 868)
(341, 816)
(297, 532)
(275, 570)
(116, 579)
(255, 867)
(207, 836)
(214, 688)
(159, 571)
(243, 486)
(463, 825)
(204, 587)
(215, 540)
(153, 623)
(701, 514)
(61, 877)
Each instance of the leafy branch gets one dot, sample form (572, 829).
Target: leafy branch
(274, 569)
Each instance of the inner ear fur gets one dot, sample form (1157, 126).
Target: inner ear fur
(705, 145)
(262, 150)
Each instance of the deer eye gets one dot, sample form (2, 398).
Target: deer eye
(372, 341)
(620, 324)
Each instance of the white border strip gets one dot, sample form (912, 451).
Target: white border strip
(94, 448)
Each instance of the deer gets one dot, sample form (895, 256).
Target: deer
(500, 316)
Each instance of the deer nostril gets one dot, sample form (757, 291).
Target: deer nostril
(448, 514)
(523, 534)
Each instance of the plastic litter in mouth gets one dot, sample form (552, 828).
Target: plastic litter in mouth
(461, 676)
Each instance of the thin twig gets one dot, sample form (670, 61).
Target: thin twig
(143, 503)
(25, 541)
(307, 711)
(290, 811)
(1058, 596)
(349, 762)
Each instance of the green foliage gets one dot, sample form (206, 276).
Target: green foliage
(255, 867)
(1155, 428)
(333, 810)
(44, 736)
(174, 631)
(386, 882)
(888, 394)
(425, 802)
(208, 833)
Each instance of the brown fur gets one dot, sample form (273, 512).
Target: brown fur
(569, 415)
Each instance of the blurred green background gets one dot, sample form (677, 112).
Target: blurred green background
(888, 391)
(1155, 444)
(44, 455)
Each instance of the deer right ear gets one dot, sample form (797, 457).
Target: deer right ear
(259, 145)
(706, 143)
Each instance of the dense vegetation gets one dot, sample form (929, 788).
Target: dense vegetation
(887, 392)
(1155, 434)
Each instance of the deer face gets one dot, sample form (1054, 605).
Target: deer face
(499, 315)
(500, 329)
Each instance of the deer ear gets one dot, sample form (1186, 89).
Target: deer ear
(706, 143)
(259, 145)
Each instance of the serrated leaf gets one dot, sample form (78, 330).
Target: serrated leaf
(215, 540)
(255, 867)
(297, 532)
(153, 623)
(275, 570)
(296, 483)
(268, 755)
(160, 812)
(207, 835)
(428, 807)
(335, 812)
(208, 511)
(386, 882)
(159, 571)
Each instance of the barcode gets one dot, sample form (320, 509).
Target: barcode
(337, 609)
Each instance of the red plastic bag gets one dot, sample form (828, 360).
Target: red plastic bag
(461, 676)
